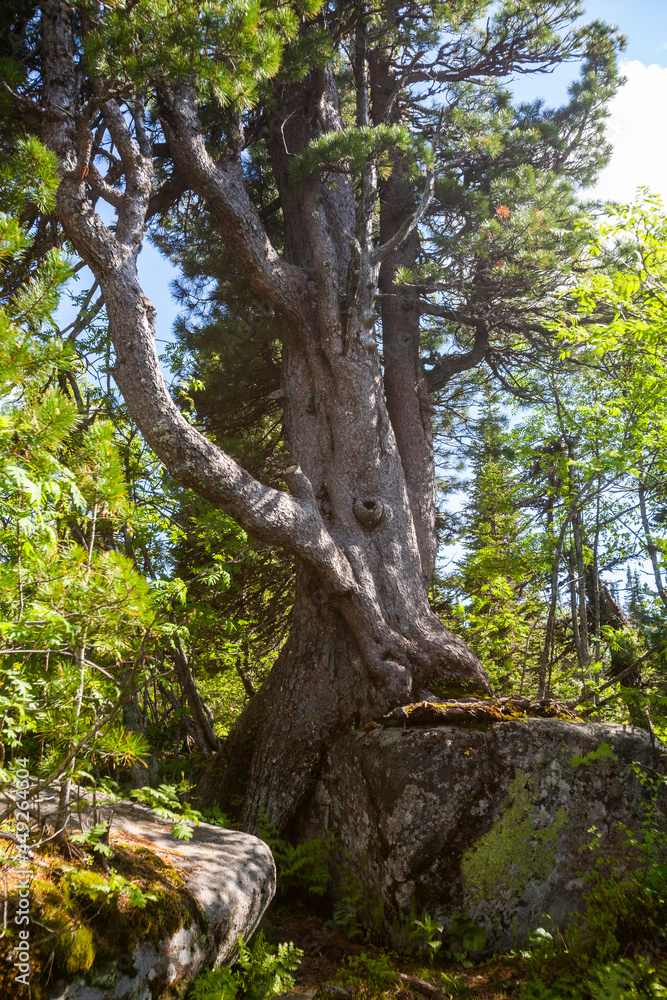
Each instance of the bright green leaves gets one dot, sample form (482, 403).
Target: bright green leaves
(72, 595)
(19, 706)
(224, 49)
(166, 804)
(54, 590)
(618, 313)
(96, 888)
(262, 972)
(67, 595)
(351, 150)
(497, 612)
(101, 477)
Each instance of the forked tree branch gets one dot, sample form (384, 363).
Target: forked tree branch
(222, 185)
(290, 521)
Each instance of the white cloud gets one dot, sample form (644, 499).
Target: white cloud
(638, 130)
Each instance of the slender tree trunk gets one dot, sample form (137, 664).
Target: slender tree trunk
(200, 714)
(577, 536)
(551, 616)
(574, 612)
(651, 547)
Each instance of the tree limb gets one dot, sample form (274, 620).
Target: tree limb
(410, 223)
(451, 364)
(272, 515)
(222, 184)
(165, 196)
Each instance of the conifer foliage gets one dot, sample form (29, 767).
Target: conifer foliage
(388, 220)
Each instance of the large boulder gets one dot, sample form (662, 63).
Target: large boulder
(481, 821)
(206, 892)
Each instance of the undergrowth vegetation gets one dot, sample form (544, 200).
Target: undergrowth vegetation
(261, 972)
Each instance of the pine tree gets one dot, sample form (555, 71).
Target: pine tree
(70, 610)
(499, 612)
(355, 111)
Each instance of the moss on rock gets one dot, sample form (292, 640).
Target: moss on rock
(81, 925)
(477, 714)
(116, 924)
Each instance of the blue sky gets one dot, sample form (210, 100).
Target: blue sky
(643, 22)
(639, 111)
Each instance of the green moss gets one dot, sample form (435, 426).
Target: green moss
(479, 714)
(135, 860)
(513, 852)
(74, 948)
(447, 689)
(119, 927)
(8, 985)
(92, 928)
(70, 940)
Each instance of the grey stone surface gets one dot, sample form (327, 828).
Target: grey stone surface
(230, 876)
(484, 822)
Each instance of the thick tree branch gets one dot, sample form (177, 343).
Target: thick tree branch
(410, 223)
(222, 184)
(100, 187)
(295, 523)
(138, 171)
(165, 196)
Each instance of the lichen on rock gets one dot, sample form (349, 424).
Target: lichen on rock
(477, 818)
(514, 851)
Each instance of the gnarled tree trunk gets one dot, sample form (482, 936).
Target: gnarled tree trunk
(346, 659)
(359, 509)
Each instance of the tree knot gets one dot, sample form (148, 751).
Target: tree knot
(368, 512)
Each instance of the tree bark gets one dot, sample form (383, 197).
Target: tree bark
(408, 403)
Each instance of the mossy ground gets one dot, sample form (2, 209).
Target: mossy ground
(76, 928)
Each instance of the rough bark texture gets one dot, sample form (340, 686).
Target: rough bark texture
(358, 517)
(408, 403)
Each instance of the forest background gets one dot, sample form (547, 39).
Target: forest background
(138, 620)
